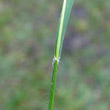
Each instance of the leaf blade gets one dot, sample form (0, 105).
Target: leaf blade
(67, 7)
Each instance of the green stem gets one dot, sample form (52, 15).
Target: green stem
(66, 9)
(53, 83)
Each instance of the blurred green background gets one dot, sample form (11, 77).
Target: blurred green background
(27, 35)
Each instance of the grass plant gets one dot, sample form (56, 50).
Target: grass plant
(66, 9)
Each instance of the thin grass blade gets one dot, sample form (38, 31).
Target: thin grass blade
(67, 6)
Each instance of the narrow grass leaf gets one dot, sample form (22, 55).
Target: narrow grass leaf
(67, 6)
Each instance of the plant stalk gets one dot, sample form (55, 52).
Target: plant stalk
(53, 83)
(66, 9)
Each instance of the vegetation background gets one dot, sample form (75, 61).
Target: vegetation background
(27, 35)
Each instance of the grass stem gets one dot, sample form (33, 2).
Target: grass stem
(52, 91)
(66, 9)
